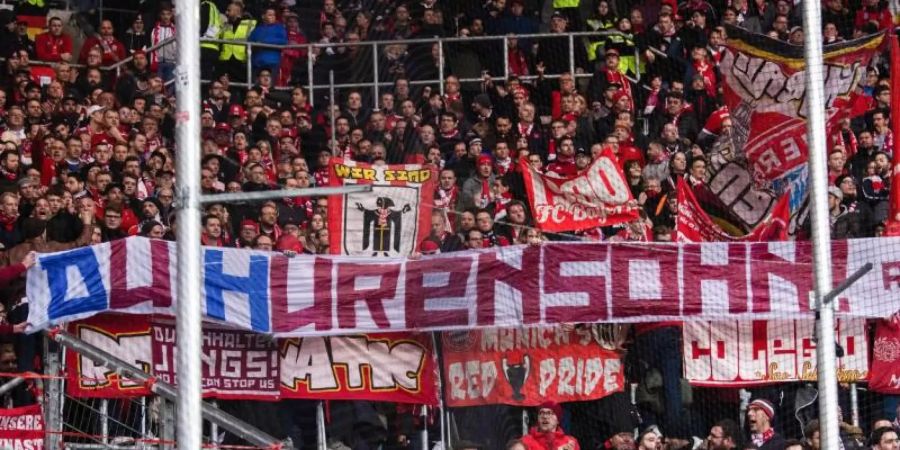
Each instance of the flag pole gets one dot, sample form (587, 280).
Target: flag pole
(187, 136)
(821, 225)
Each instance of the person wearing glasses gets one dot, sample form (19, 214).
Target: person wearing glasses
(548, 435)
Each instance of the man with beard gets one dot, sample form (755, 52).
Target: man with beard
(854, 205)
(9, 170)
(760, 413)
(548, 435)
(268, 221)
(212, 235)
(725, 435)
(247, 234)
(10, 230)
(150, 207)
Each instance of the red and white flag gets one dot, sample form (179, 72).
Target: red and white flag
(599, 196)
(694, 225)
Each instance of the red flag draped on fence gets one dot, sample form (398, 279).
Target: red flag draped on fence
(598, 196)
(694, 225)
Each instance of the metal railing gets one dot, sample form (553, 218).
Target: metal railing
(377, 84)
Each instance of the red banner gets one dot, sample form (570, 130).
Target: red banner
(694, 225)
(22, 428)
(527, 366)
(236, 364)
(127, 338)
(391, 220)
(597, 197)
(885, 376)
(764, 88)
(750, 353)
(397, 367)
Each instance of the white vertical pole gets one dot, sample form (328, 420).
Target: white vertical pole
(821, 227)
(505, 57)
(333, 101)
(214, 429)
(854, 405)
(321, 438)
(310, 76)
(187, 137)
(441, 66)
(104, 420)
(375, 77)
(424, 431)
(744, 394)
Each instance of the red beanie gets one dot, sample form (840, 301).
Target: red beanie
(288, 242)
(553, 406)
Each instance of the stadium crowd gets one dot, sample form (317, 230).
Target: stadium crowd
(88, 153)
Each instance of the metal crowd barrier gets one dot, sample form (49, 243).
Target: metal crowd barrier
(376, 85)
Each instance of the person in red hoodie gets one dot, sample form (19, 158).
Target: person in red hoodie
(54, 45)
(548, 435)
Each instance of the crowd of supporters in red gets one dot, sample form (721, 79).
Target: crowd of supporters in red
(87, 154)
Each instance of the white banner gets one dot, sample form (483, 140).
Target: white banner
(748, 353)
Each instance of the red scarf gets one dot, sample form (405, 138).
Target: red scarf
(485, 197)
(8, 223)
(761, 438)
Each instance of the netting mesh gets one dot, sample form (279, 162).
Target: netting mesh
(651, 94)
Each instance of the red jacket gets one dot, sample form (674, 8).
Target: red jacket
(536, 440)
(9, 273)
(49, 47)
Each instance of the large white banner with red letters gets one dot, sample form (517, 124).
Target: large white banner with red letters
(396, 367)
(597, 197)
(735, 353)
(528, 366)
(498, 287)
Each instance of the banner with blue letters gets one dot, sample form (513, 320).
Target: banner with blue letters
(498, 287)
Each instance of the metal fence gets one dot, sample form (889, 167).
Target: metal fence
(378, 83)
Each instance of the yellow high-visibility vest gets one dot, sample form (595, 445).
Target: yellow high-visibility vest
(215, 20)
(239, 33)
(560, 4)
(37, 3)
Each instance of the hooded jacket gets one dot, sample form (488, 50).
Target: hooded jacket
(537, 440)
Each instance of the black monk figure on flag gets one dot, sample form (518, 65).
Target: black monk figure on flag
(386, 221)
